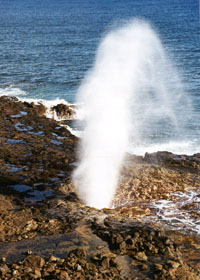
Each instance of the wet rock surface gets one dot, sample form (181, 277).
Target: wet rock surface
(64, 111)
(47, 233)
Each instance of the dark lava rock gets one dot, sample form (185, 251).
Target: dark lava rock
(148, 247)
(42, 218)
(64, 111)
(75, 266)
(34, 150)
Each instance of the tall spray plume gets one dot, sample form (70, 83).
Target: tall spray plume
(128, 87)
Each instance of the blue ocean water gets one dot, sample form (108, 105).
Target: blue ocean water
(46, 47)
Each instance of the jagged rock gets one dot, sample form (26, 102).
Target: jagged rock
(140, 256)
(37, 157)
(34, 262)
(64, 276)
(64, 111)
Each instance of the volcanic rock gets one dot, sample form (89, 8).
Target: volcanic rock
(40, 212)
(64, 112)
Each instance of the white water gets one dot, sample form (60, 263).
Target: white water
(131, 91)
(49, 104)
(174, 214)
(12, 91)
(179, 147)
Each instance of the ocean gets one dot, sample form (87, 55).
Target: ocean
(47, 47)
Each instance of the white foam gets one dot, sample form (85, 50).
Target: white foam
(75, 132)
(176, 147)
(17, 92)
(174, 214)
(12, 91)
(49, 104)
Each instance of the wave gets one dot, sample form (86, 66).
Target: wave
(12, 91)
(176, 147)
(49, 104)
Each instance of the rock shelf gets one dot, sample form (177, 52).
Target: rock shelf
(47, 233)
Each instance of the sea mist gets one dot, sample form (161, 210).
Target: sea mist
(131, 88)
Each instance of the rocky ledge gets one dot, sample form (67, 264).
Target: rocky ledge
(47, 233)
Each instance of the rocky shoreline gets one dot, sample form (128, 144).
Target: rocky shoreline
(47, 233)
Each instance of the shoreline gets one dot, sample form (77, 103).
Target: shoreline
(38, 204)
